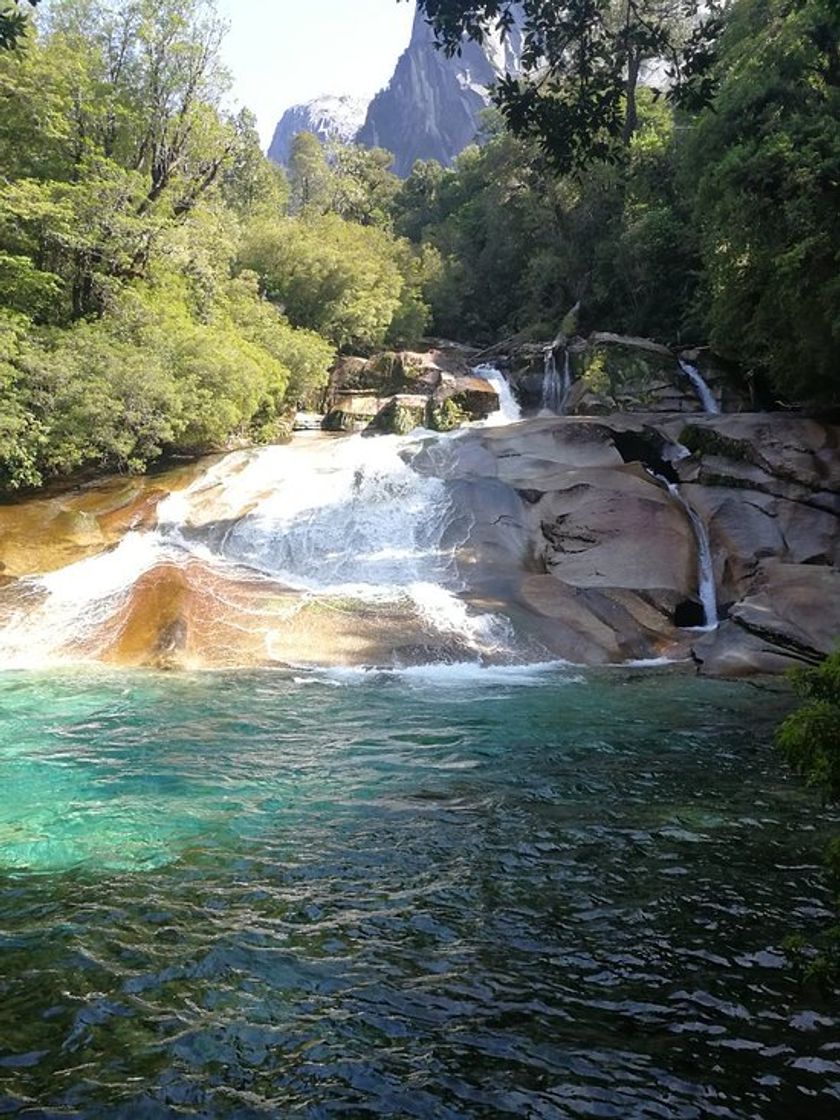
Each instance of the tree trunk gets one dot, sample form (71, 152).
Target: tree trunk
(631, 112)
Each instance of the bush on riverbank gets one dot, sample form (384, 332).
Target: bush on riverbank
(130, 324)
(810, 741)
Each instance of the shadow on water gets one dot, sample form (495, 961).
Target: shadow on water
(430, 894)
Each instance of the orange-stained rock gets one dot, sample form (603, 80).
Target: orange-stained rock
(153, 625)
(193, 616)
(41, 534)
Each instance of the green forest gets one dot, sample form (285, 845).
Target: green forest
(164, 289)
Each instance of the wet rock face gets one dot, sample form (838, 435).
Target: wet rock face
(397, 391)
(609, 565)
(790, 615)
(556, 525)
(41, 534)
(616, 373)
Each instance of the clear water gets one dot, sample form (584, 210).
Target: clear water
(439, 894)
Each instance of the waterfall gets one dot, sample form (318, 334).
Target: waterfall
(359, 520)
(344, 528)
(363, 528)
(705, 568)
(57, 616)
(555, 386)
(509, 411)
(704, 393)
(307, 422)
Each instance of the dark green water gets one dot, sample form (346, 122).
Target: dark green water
(545, 896)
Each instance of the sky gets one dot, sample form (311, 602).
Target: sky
(282, 52)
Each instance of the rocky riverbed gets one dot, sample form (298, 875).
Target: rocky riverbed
(564, 537)
(608, 559)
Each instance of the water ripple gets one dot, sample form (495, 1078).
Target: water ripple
(248, 896)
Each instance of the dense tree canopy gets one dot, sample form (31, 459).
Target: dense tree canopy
(520, 245)
(163, 288)
(354, 284)
(582, 63)
(140, 311)
(125, 331)
(717, 224)
(766, 168)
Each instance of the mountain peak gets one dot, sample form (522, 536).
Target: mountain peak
(430, 109)
(330, 117)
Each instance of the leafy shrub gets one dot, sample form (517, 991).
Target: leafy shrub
(810, 740)
(810, 736)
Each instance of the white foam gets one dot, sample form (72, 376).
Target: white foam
(448, 674)
(62, 607)
(651, 662)
(448, 614)
(508, 411)
(346, 517)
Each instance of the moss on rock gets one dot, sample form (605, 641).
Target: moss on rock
(701, 440)
(446, 416)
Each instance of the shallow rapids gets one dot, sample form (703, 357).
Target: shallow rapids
(337, 536)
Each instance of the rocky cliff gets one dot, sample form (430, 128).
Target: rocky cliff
(329, 118)
(572, 528)
(430, 109)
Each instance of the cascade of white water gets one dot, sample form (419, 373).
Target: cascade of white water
(552, 390)
(704, 393)
(509, 411)
(334, 521)
(360, 524)
(706, 573)
(555, 386)
(61, 608)
(349, 514)
(567, 377)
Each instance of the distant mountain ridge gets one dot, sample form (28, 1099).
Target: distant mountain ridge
(430, 109)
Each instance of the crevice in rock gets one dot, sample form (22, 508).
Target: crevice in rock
(794, 649)
(562, 541)
(689, 614)
(646, 448)
(531, 496)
